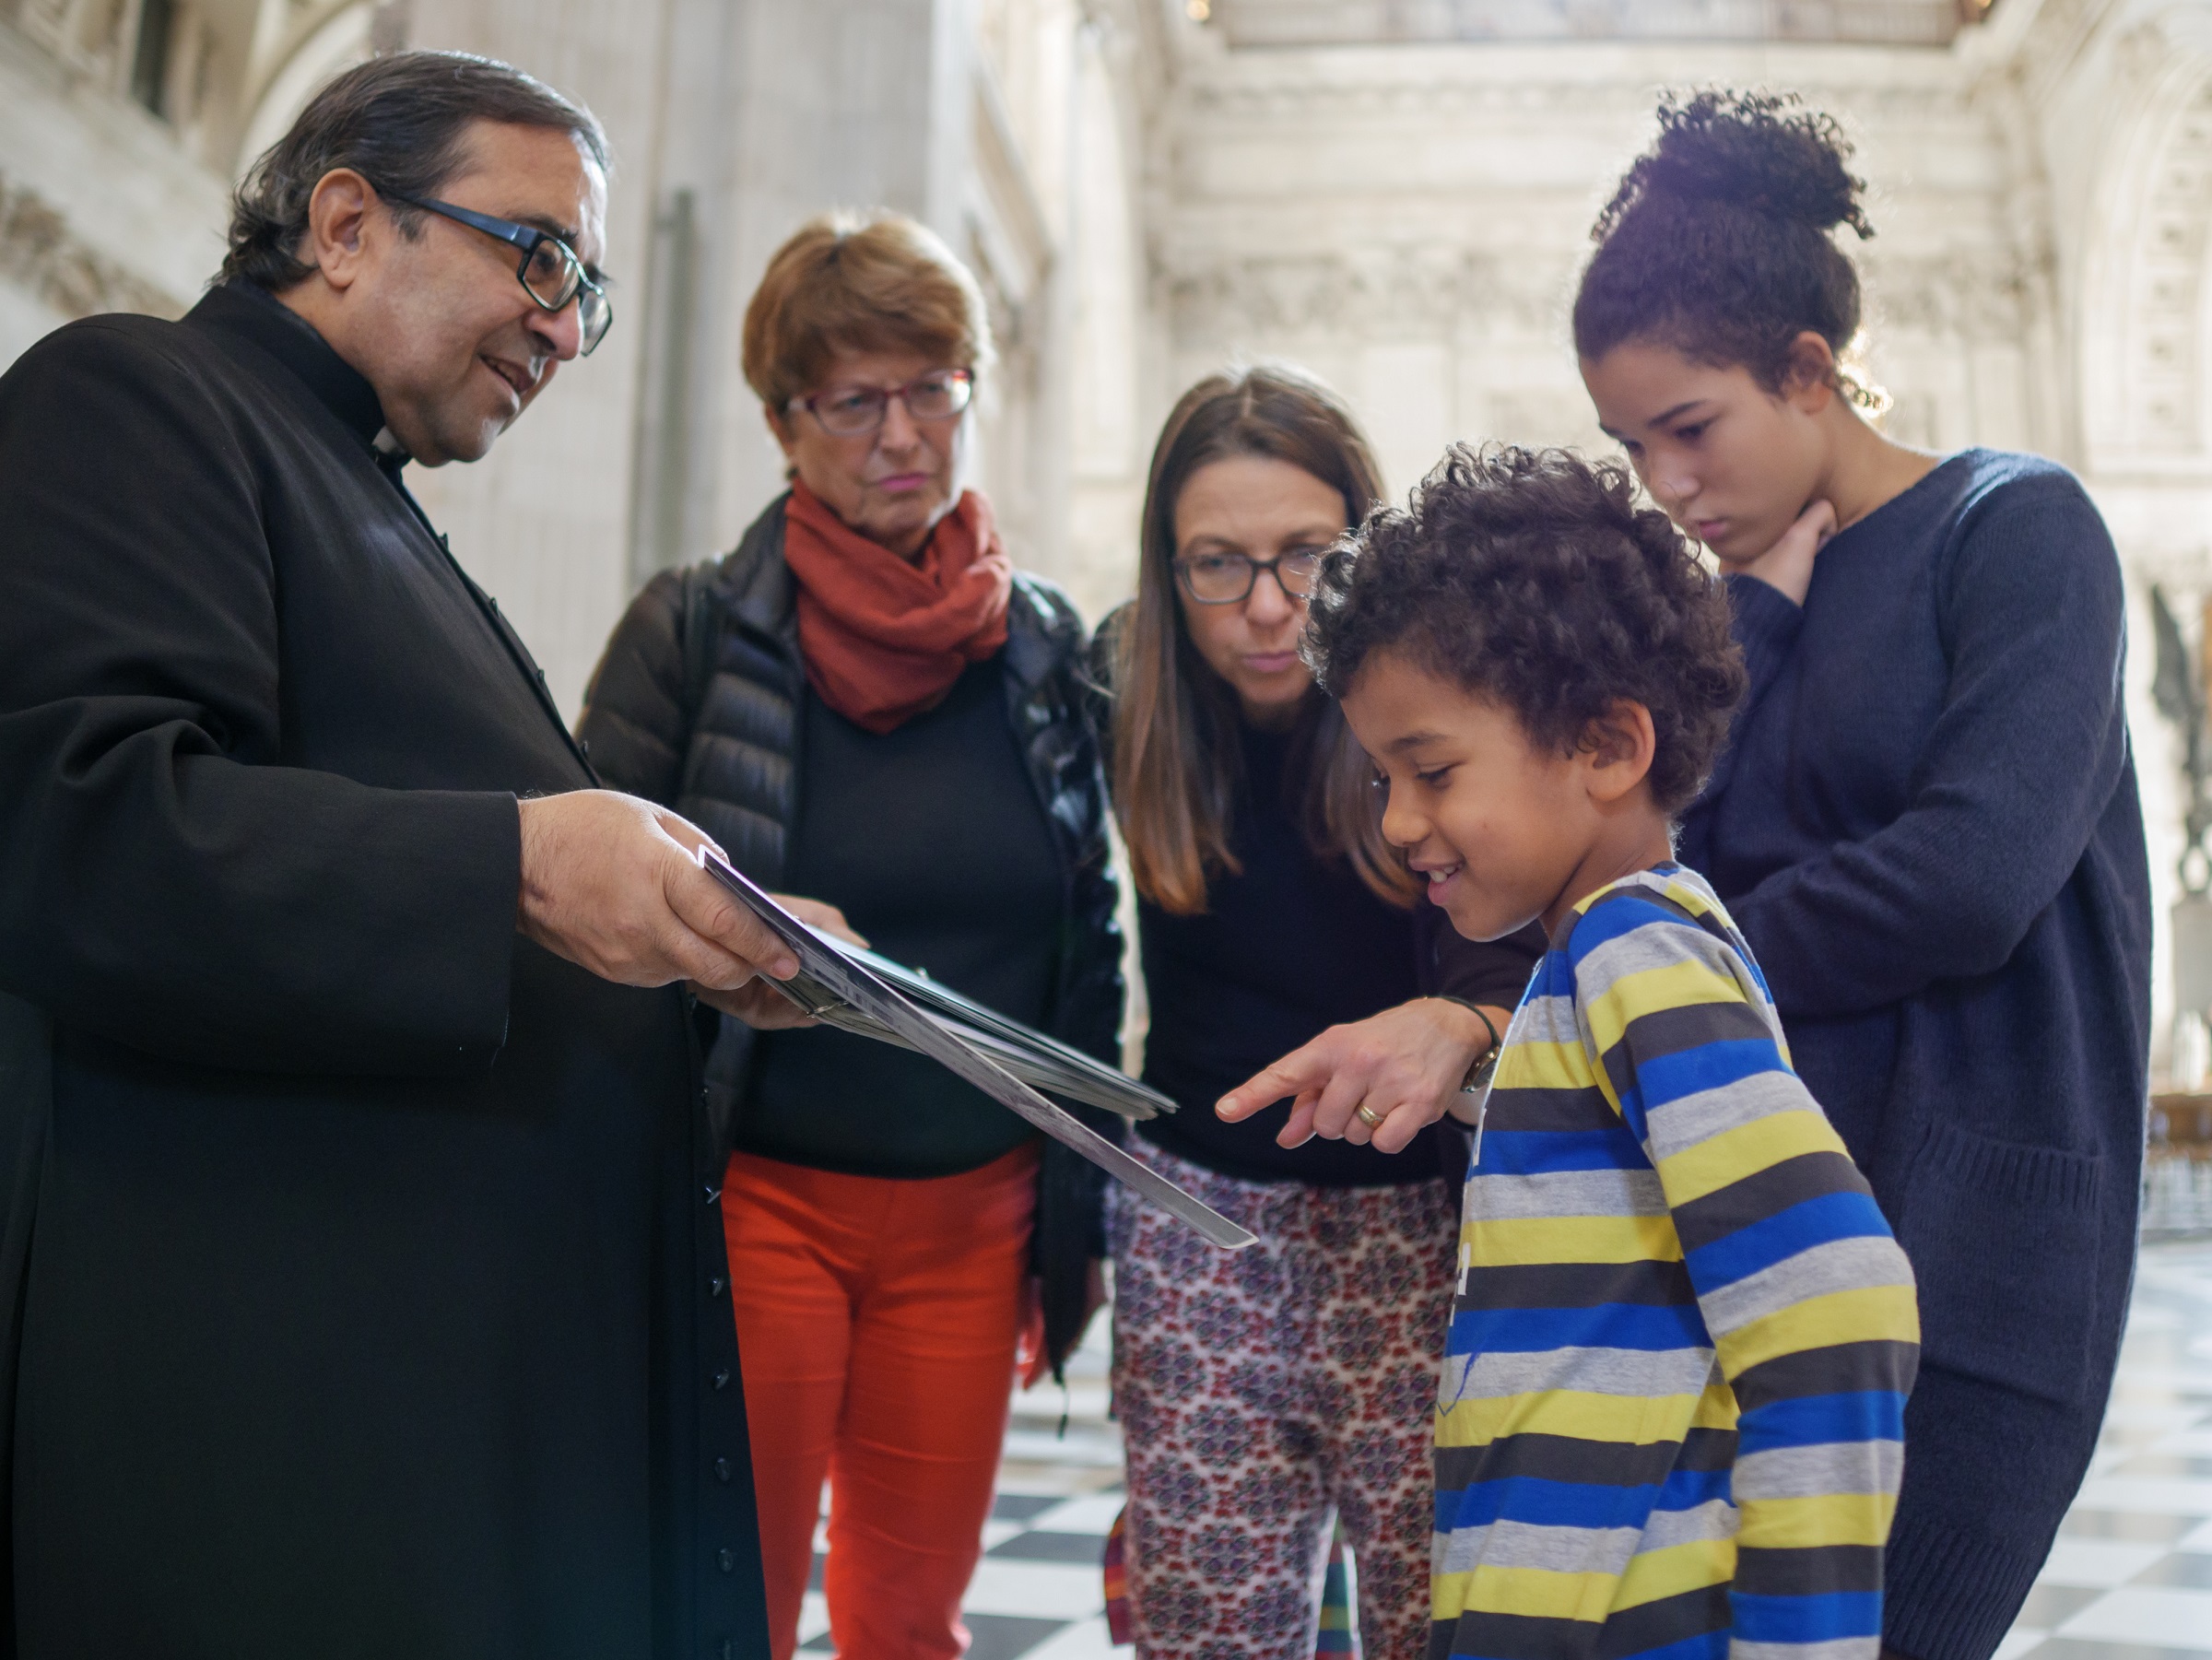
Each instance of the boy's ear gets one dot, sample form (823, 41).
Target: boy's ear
(1617, 749)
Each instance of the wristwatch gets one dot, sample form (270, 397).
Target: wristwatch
(1478, 1071)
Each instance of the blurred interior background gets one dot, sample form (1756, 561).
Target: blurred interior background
(1394, 193)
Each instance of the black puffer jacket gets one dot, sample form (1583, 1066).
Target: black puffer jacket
(696, 705)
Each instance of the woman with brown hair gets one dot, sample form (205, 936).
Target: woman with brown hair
(1261, 1390)
(867, 703)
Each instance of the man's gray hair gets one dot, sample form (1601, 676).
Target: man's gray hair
(398, 122)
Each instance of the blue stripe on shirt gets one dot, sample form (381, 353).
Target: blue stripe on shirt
(1533, 1152)
(1818, 1619)
(1638, 1326)
(1819, 1420)
(1820, 1220)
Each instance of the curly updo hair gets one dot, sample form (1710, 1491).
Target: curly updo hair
(1718, 242)
(1531, 578)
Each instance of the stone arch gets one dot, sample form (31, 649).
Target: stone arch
(2146, 324)
(328, 39)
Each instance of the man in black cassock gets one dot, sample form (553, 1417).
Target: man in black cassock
(363, 1287)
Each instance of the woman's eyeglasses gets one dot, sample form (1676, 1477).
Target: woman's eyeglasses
(549, 272)
(1227, 579)
(850, 411)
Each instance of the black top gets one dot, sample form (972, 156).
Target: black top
(1288, 946)
(367, 1295)
(698, 703)
(1927, 829)
(931, 839)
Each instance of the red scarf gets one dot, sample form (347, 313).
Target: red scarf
(884, 638)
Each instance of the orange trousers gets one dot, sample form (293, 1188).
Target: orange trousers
(877, 1321)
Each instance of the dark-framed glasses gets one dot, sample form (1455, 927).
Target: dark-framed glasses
(849, 411)
(550, 271)
(1227, 579)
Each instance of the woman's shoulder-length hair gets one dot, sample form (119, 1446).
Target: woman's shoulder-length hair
(1174, 744)
(862, 279)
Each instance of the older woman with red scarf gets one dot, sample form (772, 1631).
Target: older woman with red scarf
(866, 704)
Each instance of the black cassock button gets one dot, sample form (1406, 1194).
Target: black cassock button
(716, 1285)
(726, 1560)
(721, 1469)
(722, 1378)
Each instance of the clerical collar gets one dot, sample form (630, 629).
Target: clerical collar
(246, 309)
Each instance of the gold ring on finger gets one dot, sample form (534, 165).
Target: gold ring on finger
(1374, 1121)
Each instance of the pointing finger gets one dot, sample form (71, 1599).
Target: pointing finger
(1298, 1070)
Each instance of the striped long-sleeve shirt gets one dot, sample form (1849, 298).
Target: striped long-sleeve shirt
(1671, 1410)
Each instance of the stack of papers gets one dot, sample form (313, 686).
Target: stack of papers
(860, 991)
(1042, 1061)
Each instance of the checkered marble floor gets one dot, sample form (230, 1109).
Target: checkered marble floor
(2131, 1575)
(2130, 1578)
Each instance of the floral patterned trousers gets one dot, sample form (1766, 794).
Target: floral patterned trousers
(1259, 1390)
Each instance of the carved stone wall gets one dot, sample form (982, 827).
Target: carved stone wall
(1410, 222)
(1276, 23)
(43, 255)
(2145, 389)
(2120, 92)
(99, 208)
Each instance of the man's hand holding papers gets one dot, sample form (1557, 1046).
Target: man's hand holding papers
(758, 1003)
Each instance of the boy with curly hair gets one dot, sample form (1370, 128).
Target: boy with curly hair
(1670, 1417)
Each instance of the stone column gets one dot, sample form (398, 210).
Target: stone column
(732, 122)
(855, 104)
(545, 521)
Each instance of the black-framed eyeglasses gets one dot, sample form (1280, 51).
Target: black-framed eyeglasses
(549, 272)
(849, 411)
(1227, 578)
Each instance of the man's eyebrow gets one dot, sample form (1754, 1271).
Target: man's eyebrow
(549, 224)
(567, 233)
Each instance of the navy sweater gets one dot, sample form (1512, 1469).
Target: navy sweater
(1926, 825)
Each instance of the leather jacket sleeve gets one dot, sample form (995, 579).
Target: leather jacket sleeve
(1070, 1227)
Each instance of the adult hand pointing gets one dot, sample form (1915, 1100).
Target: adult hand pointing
(1403, 1065)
